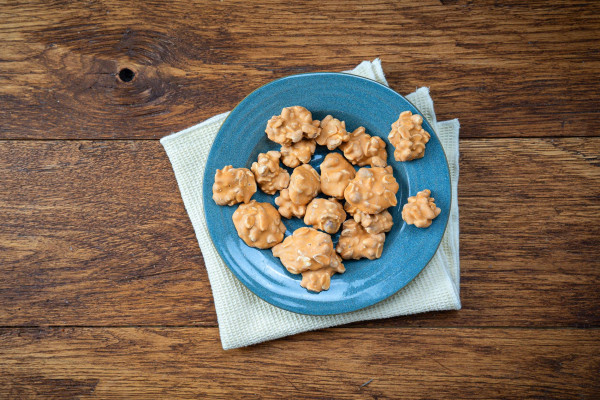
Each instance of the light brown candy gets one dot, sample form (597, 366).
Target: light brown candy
(298, 153)
(304, 184)
(320, 279)
(287, 208)
(307, 249)
(350, 209)
(269, 175)
(258, 224)
(326, 215)
(408, 137)
(372, 190)
(363, 149)
(336, 173)
(420, 209)
(233, 185)
(355, 242)
(333, 133)
(373, 223)
(294, 124)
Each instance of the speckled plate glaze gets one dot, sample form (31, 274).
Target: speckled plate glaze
(359, 102)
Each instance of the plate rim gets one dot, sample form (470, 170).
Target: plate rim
(317, 311)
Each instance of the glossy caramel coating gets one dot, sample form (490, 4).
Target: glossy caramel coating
(320, 279)
(325, 214)
(336, 173)
(292, 125)
(420, 210)
(258, 224)
(372, 190)
(298, 153)
(408, 137)
(233, 185)
(333, 133)
(373, 223)
(287, 208)
(268, 173)
(305, 184)
(306, 249)
(355, 242)
(363, 149)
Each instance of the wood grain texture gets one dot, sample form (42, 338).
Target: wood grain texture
(506, 69)
(112, 239)
(157, 363)
(95, 234)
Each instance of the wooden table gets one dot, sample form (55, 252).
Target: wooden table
(103, 291)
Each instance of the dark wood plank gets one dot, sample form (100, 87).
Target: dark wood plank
(506, 69)
(94, 233)
(86, 363)
(96, 229)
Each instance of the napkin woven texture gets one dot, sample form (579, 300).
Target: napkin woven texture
(245, 319)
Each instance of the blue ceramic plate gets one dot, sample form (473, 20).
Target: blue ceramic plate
(359, 102)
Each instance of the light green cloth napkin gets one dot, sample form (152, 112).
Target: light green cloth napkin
(244, 318)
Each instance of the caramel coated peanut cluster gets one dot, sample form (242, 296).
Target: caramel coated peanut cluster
(408, 137)
(355, 242)
(304, 184)
(258, 224)
(320, 279)
(294, 124)
(333, 133)
(336, 173)
(372, 190)
(269, 175)
(311, 253)
(287, 208)
(326, 215)
(363, 149)
(233, 185)
(298, 153)
(373, 223)
(307, 249)
(420, 210)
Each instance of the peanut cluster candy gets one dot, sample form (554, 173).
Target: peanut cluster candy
(363, 149)
(294, 124)
(233, 185)
(307, 249)
(258, 224)
(298, 153)
(320, 279)
(336, 173)
(373, 223)
(333, 133)
(355, 242)
(420, 209)
(326, 215)
(372, 190)
(287, 208)
(350, 209)
(408, 137)
(304, 184)
(269, 175)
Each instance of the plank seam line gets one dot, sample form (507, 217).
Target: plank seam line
(591, 327)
